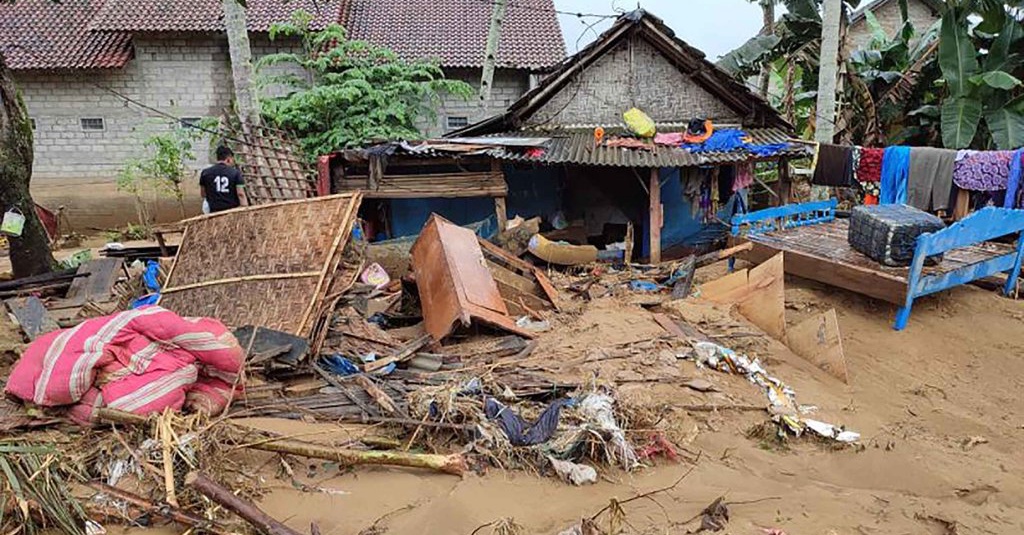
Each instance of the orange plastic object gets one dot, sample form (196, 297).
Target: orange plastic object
(598, 135)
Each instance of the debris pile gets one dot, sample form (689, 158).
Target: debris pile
(456, 365)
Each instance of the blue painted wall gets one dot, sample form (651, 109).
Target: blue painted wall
(681, 227)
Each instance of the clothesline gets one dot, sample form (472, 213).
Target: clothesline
(923, 177)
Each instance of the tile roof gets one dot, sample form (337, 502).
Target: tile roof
(43, 34)
(205, 15)
(455, 31)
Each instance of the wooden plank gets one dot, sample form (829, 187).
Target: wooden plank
(818, 340)
(963, 204)
(784, 184)
(103, 273)
(875, 284)
(655, 219)
(501, 212)
(683, 331)
(765, 304)
(32, 316)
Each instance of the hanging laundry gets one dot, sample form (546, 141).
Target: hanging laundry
(895, 170)
(698, 131)
(834, 166)
(930, 180)
(744, 176)
(982, 170)
(692, 179)
(1013, 189)
(869, 168)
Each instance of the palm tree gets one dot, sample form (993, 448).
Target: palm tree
(768, 28)
(241, 61)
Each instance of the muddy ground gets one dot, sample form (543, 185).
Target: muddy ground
(938, 406)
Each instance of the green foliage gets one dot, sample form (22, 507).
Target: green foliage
(342, 93)
(163, 168)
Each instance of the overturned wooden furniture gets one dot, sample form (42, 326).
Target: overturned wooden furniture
(268, 265)
(454, 282)
(815, 246)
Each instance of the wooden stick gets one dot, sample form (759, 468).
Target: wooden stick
(404, 353)
(716, 408)
(711, 258)
(450, 464)
(272, 276)
(165, 510)
(118, 417)
(378, 395)
(243, 508)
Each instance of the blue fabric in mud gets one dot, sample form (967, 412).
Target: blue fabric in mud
(519, 431)
(895, 173)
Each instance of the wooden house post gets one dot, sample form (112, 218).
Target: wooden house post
(500, 209)
(654, 191)
(784, 184)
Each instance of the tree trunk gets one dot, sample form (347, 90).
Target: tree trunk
(828, 73)
(246, 99)
(768, 11)
(30, 252)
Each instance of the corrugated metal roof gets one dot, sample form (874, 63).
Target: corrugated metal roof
(576, 147)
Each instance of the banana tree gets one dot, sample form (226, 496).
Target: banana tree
(981, 74)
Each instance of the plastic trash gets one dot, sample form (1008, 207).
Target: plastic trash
(375, 275)
(598, 409)
(151, 276)
(338, 365)
(13, 222)
(150, 299)
(530, 324)
(570, 472)
(643, 286)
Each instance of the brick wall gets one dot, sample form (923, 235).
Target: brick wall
(890, 18)
(615, 83)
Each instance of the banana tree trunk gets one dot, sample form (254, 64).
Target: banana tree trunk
(246, 100)
(30, 252)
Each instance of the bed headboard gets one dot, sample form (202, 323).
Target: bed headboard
(783, 217)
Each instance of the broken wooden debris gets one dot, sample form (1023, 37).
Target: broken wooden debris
(265, 344)
(759, 293)
(103, 273)
(241, 507)
(31, 316)
(454, 283)
(818, 340)
(402, 354)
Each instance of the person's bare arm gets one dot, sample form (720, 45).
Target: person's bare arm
(242, 199)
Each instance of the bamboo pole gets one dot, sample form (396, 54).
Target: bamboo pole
(243, 508)
(450, 464)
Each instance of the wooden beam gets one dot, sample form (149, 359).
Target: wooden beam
(501, 212)
(784, 185)
(654, 189)
(962, 206)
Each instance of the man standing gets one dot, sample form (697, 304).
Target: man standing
(221, 185)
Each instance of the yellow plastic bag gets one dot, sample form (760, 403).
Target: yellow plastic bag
(639, 123)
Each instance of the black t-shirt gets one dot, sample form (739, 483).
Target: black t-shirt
(220, 182)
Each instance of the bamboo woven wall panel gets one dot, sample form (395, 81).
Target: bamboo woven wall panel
(268, 265)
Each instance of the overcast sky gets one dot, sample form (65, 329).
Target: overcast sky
(714, 26)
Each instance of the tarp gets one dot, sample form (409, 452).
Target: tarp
(140, 361)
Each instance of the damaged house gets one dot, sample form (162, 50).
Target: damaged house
(562, 152)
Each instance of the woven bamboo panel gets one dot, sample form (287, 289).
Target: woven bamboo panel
(268, 265)
(274, 304)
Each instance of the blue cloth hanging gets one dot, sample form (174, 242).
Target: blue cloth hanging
(1013, 185)
(895, 175)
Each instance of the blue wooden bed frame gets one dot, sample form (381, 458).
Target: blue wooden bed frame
(981, 226)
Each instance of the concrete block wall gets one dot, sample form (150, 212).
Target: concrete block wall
(633, 74)
(890, 18)
(508, 86)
